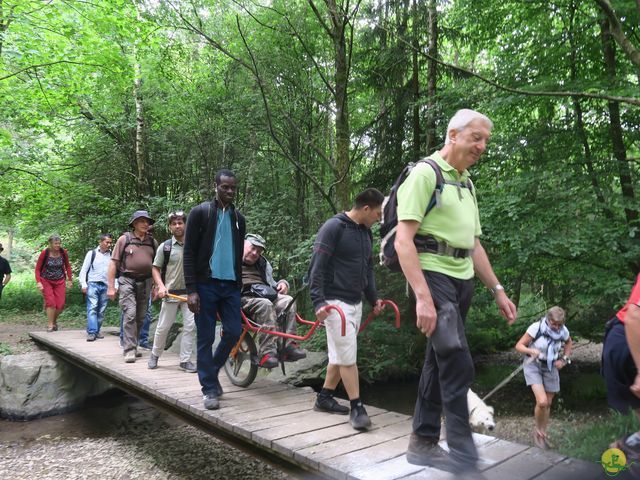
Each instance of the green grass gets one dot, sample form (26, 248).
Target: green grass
(589, 441)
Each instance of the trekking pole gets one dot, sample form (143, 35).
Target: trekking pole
(508, 379)
(177, 297)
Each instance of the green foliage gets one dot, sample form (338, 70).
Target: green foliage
(252, 88)
(588, 442)
(5, 349)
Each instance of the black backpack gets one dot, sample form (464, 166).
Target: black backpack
(389, 222)
(166, 250)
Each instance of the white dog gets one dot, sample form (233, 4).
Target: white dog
(480, 414)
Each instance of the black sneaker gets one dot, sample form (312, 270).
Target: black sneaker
(326, 403)
(359, 418)
(292, 353)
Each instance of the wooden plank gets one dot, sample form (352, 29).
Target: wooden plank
(526, 464)
(574, 468)
(300, 441)
(396, 468)
(281, 418)
(341, 466)
(353, 443)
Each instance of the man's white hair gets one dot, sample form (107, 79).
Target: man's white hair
(463, 118)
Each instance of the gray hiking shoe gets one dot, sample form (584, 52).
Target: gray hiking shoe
(130, 356)
(188, 367)
(153, 362)
(211, 401)
(91, 337)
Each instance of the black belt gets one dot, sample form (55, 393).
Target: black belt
(429, 244)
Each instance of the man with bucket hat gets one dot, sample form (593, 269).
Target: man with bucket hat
(264, 300)
(131, 262)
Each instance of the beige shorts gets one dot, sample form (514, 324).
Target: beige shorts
(343, 350)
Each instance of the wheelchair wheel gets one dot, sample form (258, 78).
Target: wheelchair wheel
(242, 369)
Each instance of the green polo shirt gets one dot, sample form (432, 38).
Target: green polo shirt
(456, 220)
(174, 277)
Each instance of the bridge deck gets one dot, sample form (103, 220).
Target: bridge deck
(278, 419)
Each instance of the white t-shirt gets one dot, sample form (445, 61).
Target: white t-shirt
(542, 343)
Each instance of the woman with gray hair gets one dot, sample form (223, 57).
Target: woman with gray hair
(51, 269)
(542, 343)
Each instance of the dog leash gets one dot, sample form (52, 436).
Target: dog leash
(508, 379)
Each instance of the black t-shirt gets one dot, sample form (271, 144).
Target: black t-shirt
(4, 268)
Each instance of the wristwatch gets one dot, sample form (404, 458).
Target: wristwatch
(495, 289)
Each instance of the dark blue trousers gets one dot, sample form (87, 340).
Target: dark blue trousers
(217, 297)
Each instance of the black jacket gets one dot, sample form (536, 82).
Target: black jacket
(198, 243)
(342, 263)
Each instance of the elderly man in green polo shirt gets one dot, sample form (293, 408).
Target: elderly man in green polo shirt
(441, 273)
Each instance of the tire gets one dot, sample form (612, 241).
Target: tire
(242, 369)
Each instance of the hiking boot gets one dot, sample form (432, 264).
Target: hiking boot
(328, 404)
(358, 417)
(188, 367)
(91, 337)
(293, 353)
(144, 345)
(268, 361)
(211, 401)
(138, 354)
(153, 362)
(99, 335)
(130, 356)
(425, 451)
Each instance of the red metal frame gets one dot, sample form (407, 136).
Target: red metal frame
(385, 303)
(252, 328)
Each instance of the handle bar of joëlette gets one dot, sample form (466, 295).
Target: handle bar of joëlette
(313, 324)
(253, 328)
(385, 303)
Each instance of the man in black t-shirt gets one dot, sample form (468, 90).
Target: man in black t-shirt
(5, 271)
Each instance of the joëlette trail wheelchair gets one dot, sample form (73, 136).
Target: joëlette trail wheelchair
(242, 364)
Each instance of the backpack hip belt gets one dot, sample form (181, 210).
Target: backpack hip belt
(429, 244)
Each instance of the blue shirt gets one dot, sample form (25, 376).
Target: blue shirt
(222, 260)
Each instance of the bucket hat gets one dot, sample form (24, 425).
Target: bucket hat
(141, 214)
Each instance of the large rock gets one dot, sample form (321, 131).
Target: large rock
(306, 372)
(38, 384)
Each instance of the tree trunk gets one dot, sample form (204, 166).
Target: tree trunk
(617, 140)
(343, 134)
(142, 179)
(9, 247)
(432, 75)
(415, 82)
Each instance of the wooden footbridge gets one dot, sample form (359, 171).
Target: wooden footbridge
(276, 420)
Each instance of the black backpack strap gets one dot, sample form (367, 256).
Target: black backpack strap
(435, 197)
(166, 252)
(93, 257)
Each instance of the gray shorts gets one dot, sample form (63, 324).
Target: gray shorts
(537, 373)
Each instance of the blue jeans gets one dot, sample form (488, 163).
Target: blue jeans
(223, 297)
(96, 304)
(143, 337)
